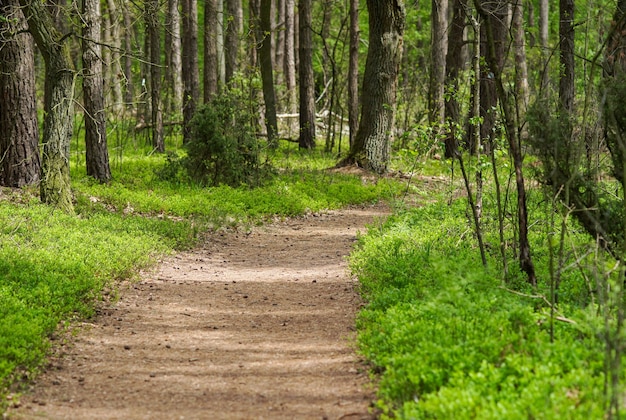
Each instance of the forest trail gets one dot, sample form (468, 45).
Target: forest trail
(256, 325)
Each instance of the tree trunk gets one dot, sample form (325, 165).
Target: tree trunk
(522, 91)
(231, 42)
(19, 131)
(210, 50)
(290, 59)
(191, 75)
(495, 16)
(129, 96)
(96, 151)
(279, 46)
(305, 69)
(267, 73)
(58, 110)
(454, 66)
(113, 59)
(173, 57)
(566, 42)
(386, 29)
(353, 71)
(544, 9)
(494, 62)
(439, 44)
(219, 38)
(152, 21)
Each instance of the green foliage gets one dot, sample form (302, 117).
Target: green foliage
(223, 148)
(450, 342)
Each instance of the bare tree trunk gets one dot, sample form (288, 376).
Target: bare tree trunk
(113, 59)
(279, 46)
(454, 66)
(290, 60)
(173, 57)
(522, 91)
(439, 42)
(210, 50)
(267, 72)
(129, 96)
(152, 21)
(544, 9)
(58, 110)
(566, 42)
(231, 43)
(512, 132)
(191, 74)
(307, 83)
(19, 131)
(386, 30)
(96, 151)
(353, 71)
(219, 37)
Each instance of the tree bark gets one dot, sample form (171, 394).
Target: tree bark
(290, 59)
(55, 186)
(96, 151)
(19, 131)
(173, 58)
(494, 63)
(129, 93)
(386, 29)
(191, 75)
(231, 42)
(566, 42)
(454, 66)
(267, 72)
(113, 59)
(353, 71)
(544, 11)
(522, 91)
(152, 21)
(210, 50)
(439, 43)
(306, 139)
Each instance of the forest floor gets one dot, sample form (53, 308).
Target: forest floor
(253, 324)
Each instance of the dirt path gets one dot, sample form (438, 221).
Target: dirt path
(250, 326)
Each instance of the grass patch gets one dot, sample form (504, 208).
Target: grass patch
(449, 342)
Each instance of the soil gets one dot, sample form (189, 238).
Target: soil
(251, 325)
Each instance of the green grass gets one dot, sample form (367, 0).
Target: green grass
(448, 341)
(54, 266)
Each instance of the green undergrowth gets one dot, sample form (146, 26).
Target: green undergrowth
(55, 267)
(448, 340)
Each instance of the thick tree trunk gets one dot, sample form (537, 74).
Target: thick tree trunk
(58, 110)
(439, 46)
(279, 43)
(19, 133)
(353, 71)
(191, 74)
(386, 29)
(96, 151)
(267, 73)
(152, 21)
(305, 69)
(219, 39)
(210, 50)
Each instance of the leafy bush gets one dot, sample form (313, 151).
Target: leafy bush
(223, 148)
